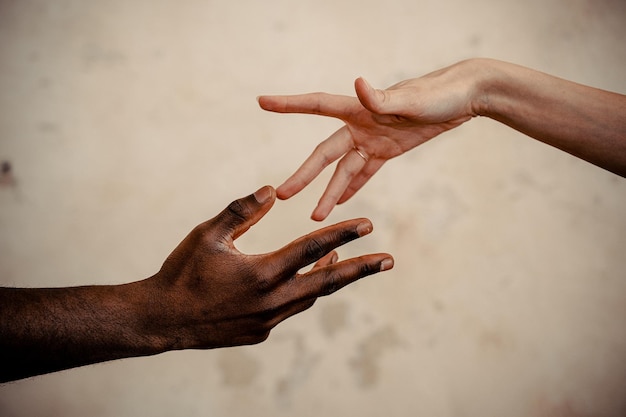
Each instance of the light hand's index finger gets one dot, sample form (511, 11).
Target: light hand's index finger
(323, 104)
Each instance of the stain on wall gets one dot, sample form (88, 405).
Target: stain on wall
(237, 368)
(126, 123)
(333, 317)
(367, 363)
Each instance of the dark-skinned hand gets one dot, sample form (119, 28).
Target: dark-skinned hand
(206, 295)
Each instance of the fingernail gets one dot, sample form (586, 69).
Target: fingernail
(386, 264)
(263, 195)
(364, 228)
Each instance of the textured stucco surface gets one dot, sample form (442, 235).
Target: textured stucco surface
(129, 122)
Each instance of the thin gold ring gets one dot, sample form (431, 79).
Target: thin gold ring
(361, 154)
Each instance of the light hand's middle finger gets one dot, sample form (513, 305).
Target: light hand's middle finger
(324, 154)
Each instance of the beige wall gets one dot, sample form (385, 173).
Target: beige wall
(129, 122)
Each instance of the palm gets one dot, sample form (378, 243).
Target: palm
(374, 132)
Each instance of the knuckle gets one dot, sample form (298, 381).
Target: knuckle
(314, 249)
(202, 238)
(264, 284)
(239, 209)
(347, 234)
(331, 284)
(321, 151)
(366, 269)
(299, 183)
(320, 98)
(264, 277)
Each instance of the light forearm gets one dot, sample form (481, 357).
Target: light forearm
(584, 121)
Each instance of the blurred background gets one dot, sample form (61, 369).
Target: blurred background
(123, 124)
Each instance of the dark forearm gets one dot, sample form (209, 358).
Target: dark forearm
(46, 330)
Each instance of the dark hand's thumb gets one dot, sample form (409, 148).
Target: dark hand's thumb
(243, 213)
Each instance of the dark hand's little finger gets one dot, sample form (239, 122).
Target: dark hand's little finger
(325, 281)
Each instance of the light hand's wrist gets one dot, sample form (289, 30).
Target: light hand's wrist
(485, 79)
